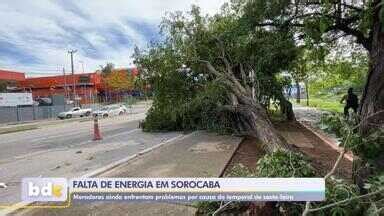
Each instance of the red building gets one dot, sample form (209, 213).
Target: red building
(83, 87)
(10, 79)
(86, 87)
(11, 75)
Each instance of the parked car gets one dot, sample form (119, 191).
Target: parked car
(75, 112)
(112, 110)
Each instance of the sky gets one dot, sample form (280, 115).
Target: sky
(36, 35)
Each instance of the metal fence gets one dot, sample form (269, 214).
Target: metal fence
(32, 113)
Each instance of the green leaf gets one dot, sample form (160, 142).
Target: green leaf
(367, 186)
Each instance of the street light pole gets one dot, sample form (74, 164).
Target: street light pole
(71, 52)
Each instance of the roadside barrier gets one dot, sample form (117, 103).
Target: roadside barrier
(96, 130)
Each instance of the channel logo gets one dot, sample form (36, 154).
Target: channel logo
(44, 189)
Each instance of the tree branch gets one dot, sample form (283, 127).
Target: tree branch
(360, 37)
(347, 200)
(340, 24)
(308, 209)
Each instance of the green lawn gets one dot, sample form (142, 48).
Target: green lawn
(331, 104)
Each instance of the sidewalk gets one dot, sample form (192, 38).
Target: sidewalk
(198, 154)
(310, 118)
(321, 148)
(306, 114)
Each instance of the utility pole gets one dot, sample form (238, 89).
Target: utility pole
(65, 84)
(73, 74)
(83, 84)
(82, 65)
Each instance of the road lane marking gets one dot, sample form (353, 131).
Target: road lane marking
(32, 154)
(107, 123)
(24, 205)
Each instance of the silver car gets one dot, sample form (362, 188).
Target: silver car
(75, 112)
(111, 110)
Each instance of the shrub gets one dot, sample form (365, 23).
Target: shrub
(338, 190)
(201, 111)
(375, 183)
(239, 170)
(206, 208)
(368, 147)
(284, 164)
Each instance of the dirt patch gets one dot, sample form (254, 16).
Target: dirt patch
(292, 138)
(248, 153)
(322, 156)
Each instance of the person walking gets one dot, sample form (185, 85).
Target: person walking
(352, 102)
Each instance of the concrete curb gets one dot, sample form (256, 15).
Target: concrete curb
(22, 205)
(18, 129)
(230, 159)
(349, 156)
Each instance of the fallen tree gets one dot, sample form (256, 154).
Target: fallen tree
(252, 117)
(223, 71)
(200, 51)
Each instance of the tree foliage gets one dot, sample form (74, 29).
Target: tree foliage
(337, 75)
(107, 69)
(117, 79)
(203, 59)
(284, 164)
(3, 86)
(316, 21)
(319, 24)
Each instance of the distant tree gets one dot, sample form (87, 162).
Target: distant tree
(107, 69)
(119, 80)
(302, 69)
(338, 73)
(3, 86)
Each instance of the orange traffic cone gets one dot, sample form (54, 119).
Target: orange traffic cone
(96, 130)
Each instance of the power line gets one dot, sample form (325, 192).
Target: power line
(34, 72)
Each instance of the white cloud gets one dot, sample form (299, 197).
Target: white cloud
(35, 35)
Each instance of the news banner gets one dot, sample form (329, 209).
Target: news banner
(172, 189)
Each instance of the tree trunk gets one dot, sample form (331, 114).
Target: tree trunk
(307, 91)
(298, 92)
(253, 121)
(287, 109)
(373, 96)
(252, 118)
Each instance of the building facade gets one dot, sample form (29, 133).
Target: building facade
(83, 88)
(9, 80)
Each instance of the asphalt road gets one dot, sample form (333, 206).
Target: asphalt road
(67, 150)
